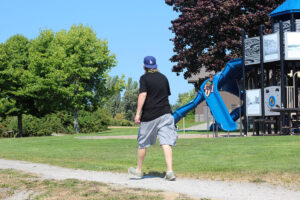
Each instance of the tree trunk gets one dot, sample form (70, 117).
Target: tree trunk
(76, 126)
(20, 126)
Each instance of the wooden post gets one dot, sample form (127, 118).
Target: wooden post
(256, 77)
(282, 74)
(268, 77)
(274, 74)
(293, 29)
(262, 80)
(244, 82)
(272, 24)
(183, 121)
(20, 125)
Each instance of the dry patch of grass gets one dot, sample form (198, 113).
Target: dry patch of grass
(14, 182)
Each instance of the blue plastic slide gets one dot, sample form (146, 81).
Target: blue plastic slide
(225, 80)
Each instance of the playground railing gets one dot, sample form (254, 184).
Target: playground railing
(290, 96)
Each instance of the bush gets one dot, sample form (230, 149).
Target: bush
(57, 122)
(61, 122)
(119, 120)
(2, 130)
(32, 126)
(93, 121)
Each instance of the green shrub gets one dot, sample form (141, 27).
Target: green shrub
(55, 123)
(2, 130)
(93, 121)
(32, 126)
(61, 122)
(119, 120)
(11, 124)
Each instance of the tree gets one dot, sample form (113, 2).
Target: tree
(25, 86)
(116, 86)
(129, 100)
(15, 79)
(53, 72)
(208, 33)
(47, 70)
(82, 61)
(184, 98)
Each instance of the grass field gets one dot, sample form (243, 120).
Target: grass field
(119, 131)
(188, 122)
(254, 159)
(134, 131)
(14, 182)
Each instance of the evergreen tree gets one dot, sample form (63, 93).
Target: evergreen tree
(129, 100)
(116, 86)
(15, 79)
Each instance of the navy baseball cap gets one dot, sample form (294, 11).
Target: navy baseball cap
(150, 62)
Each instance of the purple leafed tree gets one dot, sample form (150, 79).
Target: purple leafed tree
(208, 32)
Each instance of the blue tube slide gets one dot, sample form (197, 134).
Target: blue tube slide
(226, 80)
(183, 110)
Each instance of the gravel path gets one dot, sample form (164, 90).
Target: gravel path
(193, 187)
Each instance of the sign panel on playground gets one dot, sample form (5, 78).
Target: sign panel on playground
(298, 25)
(292, 46)
(253, 102)
(252, 51)
(271, 50)
(271, 47)
(286, 26)
(272, 100)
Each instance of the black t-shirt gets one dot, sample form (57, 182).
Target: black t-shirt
(157, 103)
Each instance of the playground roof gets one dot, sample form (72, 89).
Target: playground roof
(288, 7)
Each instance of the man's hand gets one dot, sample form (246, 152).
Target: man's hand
(137, 119)
(141, 101)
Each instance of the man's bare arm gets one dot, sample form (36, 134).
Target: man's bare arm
(141, 101)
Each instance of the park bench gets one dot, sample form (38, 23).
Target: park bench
(10, 133)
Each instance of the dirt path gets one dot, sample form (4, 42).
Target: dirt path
(193, 187)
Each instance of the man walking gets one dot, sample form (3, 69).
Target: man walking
(156, 119)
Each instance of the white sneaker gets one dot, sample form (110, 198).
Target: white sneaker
(132, 171)
(170, 176)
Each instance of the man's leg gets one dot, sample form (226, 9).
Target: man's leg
(137, 172)
(168, 156)
(141, 157)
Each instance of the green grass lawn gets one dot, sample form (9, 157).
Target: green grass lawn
(133, 131)
(120, 131)
(254, 156)
(189, 122)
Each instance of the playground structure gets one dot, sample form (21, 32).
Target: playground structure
(268, 67)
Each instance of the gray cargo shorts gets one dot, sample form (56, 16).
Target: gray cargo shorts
(163, 127)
